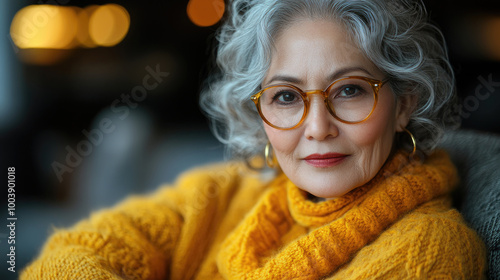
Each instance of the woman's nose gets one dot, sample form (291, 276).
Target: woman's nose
(319, 123)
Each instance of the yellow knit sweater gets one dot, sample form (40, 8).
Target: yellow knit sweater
(224, 222)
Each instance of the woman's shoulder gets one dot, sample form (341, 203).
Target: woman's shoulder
(429, 241)
(223, 179)
(217, 172)
(221, 174)
(438, 215)
(435, 239)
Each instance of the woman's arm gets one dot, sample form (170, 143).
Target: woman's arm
(145, 237)
(134, 240)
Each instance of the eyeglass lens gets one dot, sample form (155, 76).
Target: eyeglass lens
(350, 100)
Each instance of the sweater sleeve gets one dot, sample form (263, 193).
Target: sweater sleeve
(159, 236)
(431, 242)
(134, 240)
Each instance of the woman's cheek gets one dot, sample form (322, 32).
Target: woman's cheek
(284, 142)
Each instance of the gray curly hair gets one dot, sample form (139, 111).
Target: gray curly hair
(395, 35)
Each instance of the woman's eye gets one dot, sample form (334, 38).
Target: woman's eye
(286, 97)
(349, 91)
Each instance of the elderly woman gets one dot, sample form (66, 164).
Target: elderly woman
(347, 100)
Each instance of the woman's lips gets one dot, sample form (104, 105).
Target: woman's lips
(325, 160)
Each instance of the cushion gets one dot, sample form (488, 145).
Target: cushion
(477, 157)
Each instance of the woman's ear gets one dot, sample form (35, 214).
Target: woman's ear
(405, 106)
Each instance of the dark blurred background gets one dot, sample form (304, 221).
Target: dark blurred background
(79, 141)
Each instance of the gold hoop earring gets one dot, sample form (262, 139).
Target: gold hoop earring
(413, 141)
(269, 155)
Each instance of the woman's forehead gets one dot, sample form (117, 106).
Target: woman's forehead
(316, 48)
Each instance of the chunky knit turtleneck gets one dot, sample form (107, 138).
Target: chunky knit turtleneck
(336, 228)
(220, 224)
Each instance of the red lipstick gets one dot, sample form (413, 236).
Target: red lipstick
(325, 160)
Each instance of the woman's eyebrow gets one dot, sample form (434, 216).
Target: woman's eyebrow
(337, 74)
(285, 78)
(344, 71)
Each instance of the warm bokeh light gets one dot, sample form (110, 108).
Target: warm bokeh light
(491, 37)
(60, 27)
(109, 24)
(205, 12)
(83, 36)
(44, 26)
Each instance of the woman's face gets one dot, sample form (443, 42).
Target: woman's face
(324, 156)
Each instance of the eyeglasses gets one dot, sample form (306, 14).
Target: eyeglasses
(350, 100)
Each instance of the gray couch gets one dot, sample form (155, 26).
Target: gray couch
(477, 156)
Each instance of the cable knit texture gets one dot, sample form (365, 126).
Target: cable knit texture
(223, 222)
